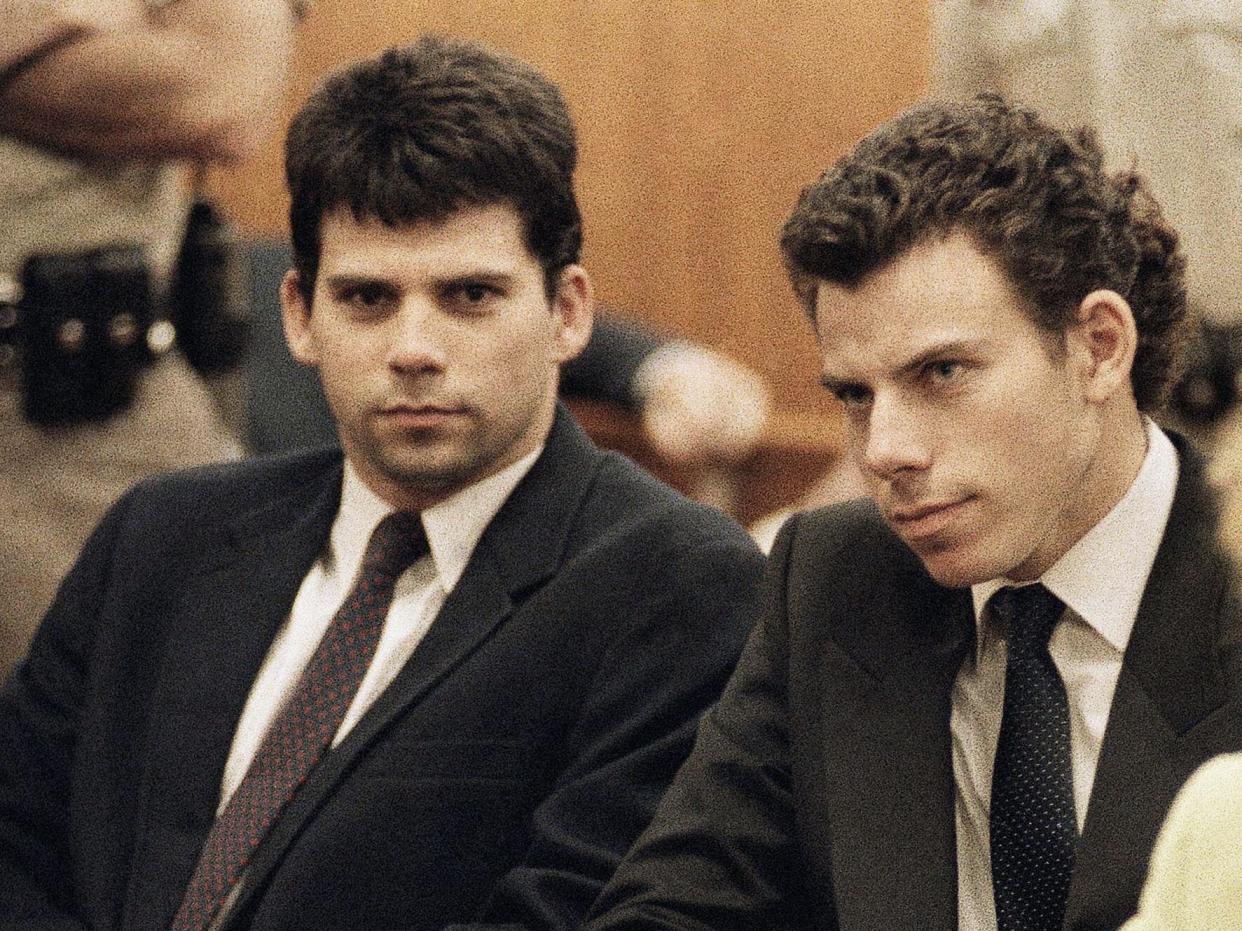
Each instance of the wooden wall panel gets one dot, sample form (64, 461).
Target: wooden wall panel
(700, 120)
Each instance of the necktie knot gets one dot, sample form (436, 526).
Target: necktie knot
(397, 541)
(1028, 613)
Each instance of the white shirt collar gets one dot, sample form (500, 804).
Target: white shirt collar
(1102, 577)
(453, 526)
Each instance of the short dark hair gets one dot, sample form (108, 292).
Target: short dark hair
(419, 132)
(1035, 199)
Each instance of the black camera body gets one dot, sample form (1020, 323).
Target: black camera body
(1208, 388)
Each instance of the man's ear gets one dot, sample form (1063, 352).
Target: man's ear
(1104, 338)
(295, 314)
(573, 305)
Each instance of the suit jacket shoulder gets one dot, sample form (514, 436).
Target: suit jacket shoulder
(848, 577)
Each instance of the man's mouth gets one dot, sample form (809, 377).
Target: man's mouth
(419, 416)
(923, 521)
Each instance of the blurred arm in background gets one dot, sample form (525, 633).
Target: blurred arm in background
(197, 79)
(697, 405)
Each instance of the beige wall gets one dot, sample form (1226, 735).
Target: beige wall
(700, 120)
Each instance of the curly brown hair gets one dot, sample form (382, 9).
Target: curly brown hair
(1034, 198)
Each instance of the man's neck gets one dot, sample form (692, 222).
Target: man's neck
(1107, 474)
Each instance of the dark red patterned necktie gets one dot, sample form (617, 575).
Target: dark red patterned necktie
(303, 730)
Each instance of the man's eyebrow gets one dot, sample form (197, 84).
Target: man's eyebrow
(497, 277)
(344, 280)
(834, 384)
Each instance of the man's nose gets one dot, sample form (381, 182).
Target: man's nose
(417, 338)
(895, 439)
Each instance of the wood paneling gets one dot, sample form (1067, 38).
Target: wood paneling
(699, 123)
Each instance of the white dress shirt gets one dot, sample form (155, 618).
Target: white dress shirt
(1101, 581)
(453, 528)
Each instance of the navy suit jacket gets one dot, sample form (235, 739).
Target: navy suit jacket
(820, 793)
(497, 781)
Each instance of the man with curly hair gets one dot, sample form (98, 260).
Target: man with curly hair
(971, 697)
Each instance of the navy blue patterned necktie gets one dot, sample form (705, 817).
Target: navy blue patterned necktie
(305, 726)
(1034, 829)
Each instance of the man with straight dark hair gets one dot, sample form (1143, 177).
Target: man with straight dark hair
(970, 699)
(442, 680)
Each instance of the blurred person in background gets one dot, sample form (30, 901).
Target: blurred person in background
(697, 406)
(1195, 879)
(103, 105)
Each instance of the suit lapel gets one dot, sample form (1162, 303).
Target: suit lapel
(227, 616)
(478, 604)
(1160, 724)
(891, 775)
(522, 547)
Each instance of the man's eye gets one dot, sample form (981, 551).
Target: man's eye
(852, 396)
(472, 297)
(944, 371)
(365, 297)
(475, 293)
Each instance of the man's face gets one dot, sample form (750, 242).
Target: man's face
(437, 346)
(971, 425)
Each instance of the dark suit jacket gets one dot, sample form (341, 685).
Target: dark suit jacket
(498, 780)
(820, 792)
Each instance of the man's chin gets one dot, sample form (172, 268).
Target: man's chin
(955, 566)
(437, 478)
(414, 481)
